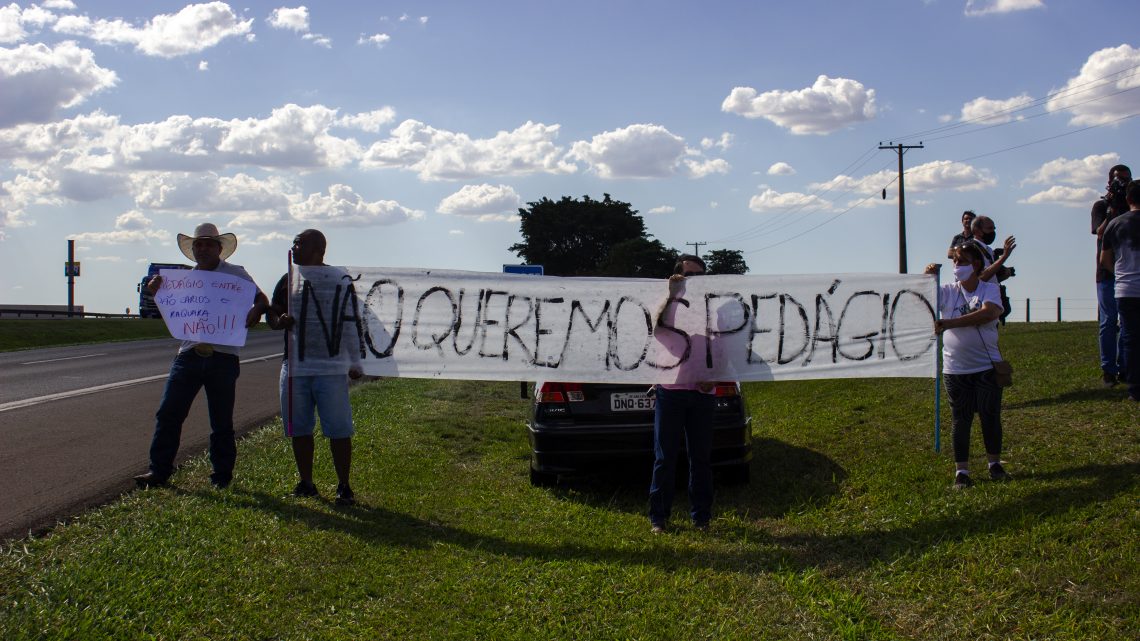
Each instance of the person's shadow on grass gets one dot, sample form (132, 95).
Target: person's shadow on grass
(764, 552)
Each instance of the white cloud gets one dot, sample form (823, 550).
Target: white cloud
(945, 118)
(271, 237)
(643, 151)
(723, 143)
(38, 81)
(988, 111)
(1117, 66)
(423, 19)
(131, 227)
(106, 259)
(455, 232)
(378, 39)
(343, 207)
(932, 176)
(203, 66)
(985, 7)
(11, 26)
(370, 121)
(488, 202)
(66, 5)
(828, 105)
(1090, 170)
(1076, 197)
(208, 192)
(194, 28)
(132, 220)
(663, 209)
(296, 19)
(444, 155)
(318, 39)
(770, 200)
(781, 169)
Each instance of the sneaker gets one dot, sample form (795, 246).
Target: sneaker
(1109, 379)
(962, 481)
(150, 479)
(304, 489)
(998, 473)
(703, 526)
(657, 528)
(344, 495)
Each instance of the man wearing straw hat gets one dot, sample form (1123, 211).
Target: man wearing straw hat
(198, 365)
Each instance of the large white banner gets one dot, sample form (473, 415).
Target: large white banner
(491, 326)
(205, 306)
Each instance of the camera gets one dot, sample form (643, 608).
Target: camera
(1116, 188)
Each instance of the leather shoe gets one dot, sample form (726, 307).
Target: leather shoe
(150, 479)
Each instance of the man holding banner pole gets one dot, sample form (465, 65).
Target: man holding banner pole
(198, 365)
(304, 396)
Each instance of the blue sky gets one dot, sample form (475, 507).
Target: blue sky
(411, 133)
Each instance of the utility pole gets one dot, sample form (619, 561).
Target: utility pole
(70, 270)
(697, 247)
(901, 149)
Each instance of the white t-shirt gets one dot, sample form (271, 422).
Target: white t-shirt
(969, 350)
(233, 270)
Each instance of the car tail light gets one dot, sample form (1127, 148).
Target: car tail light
(727, 389)
(560, 392)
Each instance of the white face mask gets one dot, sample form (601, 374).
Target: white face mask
(963, 272)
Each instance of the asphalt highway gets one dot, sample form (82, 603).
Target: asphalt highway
(76, 422)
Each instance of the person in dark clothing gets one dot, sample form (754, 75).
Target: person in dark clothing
(965, 235)
(1108, 207)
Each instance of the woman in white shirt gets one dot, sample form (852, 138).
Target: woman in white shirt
(970, 308)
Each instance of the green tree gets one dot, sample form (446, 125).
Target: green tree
(638, 258)
(726, 261)
(588, 237)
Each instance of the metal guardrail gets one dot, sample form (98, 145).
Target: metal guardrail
(9, 312)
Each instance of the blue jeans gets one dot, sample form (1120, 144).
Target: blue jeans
(188, 374)
(1130, 342)
(686, 413)
(1111, 359)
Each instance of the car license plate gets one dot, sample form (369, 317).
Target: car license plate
(631, 402)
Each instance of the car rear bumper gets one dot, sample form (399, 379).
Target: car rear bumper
(564, 450)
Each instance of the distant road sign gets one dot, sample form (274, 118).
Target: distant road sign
(534, 270)
(71, 269)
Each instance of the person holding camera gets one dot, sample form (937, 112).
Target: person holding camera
(1112, 204)
(1121, 256)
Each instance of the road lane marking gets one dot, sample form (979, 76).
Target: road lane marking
(28, 402)
(66, 358)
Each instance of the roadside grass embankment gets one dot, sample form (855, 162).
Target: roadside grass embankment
(849, 529)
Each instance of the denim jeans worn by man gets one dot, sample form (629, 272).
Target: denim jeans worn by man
(198, 366)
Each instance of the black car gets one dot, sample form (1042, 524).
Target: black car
(590, 427)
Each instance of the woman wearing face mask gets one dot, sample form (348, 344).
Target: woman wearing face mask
(970, 308)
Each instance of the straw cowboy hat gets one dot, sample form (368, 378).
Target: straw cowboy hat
(207, 230)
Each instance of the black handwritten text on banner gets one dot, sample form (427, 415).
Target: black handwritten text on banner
(490, 326)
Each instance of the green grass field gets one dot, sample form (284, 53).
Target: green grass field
(849, 529)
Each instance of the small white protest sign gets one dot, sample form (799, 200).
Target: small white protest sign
(205, 306)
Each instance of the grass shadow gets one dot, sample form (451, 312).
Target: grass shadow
(1079, 395)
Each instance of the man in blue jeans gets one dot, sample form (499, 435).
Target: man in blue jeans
(201, 365)
(1113, 204)
(683, 410)
(1120, 254)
